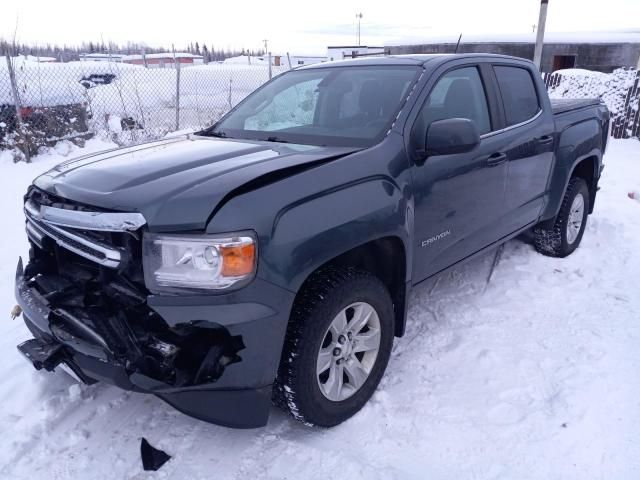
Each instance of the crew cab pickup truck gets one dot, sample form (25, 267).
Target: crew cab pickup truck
(270, 257)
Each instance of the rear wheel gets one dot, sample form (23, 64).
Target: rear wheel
(566, 234)
(337, 346)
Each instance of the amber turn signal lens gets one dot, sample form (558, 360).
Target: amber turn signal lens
(238, 260)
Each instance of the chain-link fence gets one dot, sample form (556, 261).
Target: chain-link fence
(619, 90)
(42, 103)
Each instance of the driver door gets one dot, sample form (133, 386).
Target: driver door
(459, 198)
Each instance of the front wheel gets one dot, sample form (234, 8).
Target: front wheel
(337, 346)
(566, 234)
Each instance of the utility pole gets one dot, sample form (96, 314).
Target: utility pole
(537, 54)
(359, 17)
(266, 48)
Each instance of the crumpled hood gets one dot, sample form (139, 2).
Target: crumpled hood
(175, 183)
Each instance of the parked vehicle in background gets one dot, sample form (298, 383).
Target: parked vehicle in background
(272, 255)
(90, 81)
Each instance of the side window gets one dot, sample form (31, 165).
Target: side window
(518, 92)
(458, 94)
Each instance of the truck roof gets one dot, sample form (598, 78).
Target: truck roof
(410, 59)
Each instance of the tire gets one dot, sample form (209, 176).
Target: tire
(302, 391)
(563, 238)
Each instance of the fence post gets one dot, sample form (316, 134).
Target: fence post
(289, 60)
(626, 124)
(14, 89)
(144, 58)
(177, 67)
(635, 124)
(270, 73)
(16, 100)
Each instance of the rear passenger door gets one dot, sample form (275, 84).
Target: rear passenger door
(528, 131)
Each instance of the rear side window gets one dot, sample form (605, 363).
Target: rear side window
(518, 92)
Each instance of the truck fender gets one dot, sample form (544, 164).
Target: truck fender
(577, 143)
(314, 230)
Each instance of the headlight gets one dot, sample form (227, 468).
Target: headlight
(202, 262)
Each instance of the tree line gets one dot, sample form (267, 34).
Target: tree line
(66, 53)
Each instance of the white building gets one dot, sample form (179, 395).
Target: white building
(351, 51)
(100, 57)
(298, 60)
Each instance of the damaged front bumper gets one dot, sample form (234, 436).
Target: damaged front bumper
(212, 357)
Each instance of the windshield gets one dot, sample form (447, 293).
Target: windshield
(338, 106)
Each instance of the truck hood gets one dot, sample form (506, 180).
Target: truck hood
(177, 183)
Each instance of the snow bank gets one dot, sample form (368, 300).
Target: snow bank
(147, 98)
(534, 377)
(245, 60)
(41, 84)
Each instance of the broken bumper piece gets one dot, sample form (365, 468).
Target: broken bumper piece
(41, 354)
(213, 358)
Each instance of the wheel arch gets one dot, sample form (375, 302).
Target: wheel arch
(385, 258)
(587, 169)
(579, 153)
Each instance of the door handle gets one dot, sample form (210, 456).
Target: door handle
(496, 159)
(545, 140)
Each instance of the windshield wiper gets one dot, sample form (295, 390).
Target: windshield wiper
(218, 133)
(214, 133)
(275, 139)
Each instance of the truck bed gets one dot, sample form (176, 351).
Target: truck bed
(562, 105)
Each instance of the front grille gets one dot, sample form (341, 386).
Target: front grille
(95, 235)
(109, 257)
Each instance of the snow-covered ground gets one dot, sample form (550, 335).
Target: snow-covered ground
(535, 377)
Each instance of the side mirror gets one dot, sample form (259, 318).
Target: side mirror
(449, 136)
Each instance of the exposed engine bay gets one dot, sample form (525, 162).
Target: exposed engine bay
(101, 311)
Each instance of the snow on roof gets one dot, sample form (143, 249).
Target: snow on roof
(100, 55)
(161, 55)
(632, 36)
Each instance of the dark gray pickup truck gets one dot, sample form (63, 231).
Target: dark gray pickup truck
(270, 257)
